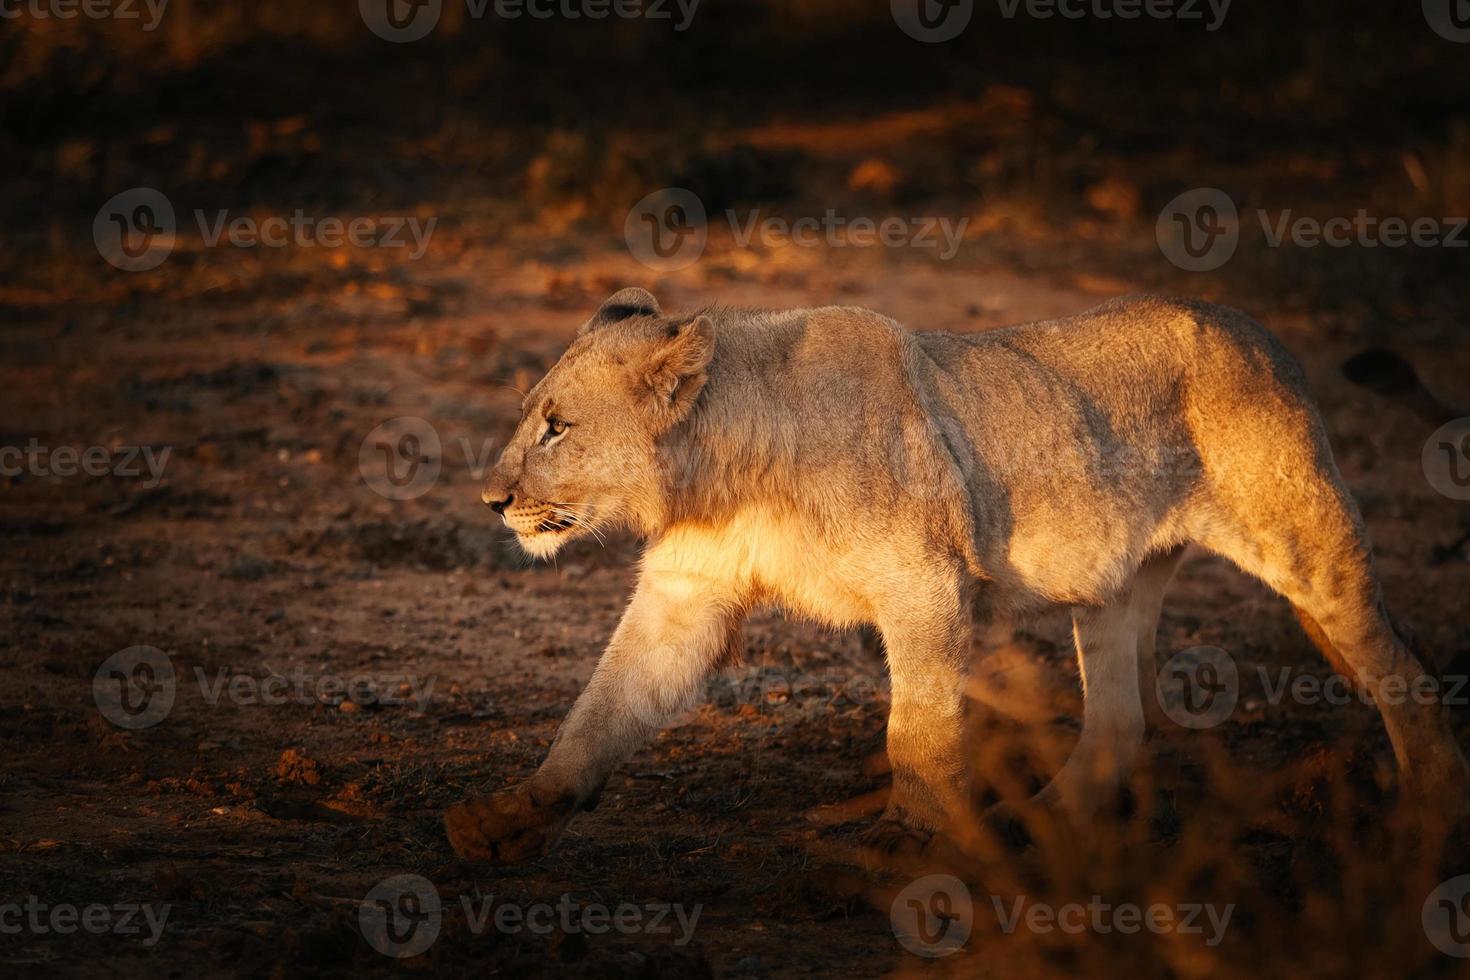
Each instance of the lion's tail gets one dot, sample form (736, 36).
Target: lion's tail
(1390, 376)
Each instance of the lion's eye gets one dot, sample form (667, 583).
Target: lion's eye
(554, 428)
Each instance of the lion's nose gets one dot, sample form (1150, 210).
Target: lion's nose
(499, 490)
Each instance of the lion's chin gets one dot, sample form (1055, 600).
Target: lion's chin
(544, 544)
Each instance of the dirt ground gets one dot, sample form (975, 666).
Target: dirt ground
(263, 552)
(424, 661)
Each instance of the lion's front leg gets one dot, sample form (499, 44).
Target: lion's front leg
(927, 644)
(654, 667)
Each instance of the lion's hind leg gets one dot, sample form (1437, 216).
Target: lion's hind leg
(1113, 724)
(1107, 640)
(1147, 605)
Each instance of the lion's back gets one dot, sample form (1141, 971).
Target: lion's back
(1101, 426)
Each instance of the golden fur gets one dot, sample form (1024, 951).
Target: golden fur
(832, 462)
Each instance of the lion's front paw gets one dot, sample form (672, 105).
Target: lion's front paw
(511, 827)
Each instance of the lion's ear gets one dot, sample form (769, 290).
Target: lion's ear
(621, 305)
(678, 367)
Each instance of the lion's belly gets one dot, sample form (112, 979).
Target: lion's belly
(1067, 565)
(768, 558)
(1079, 547)
(799, 585)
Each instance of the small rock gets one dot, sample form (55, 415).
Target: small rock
(250, 569)
(876, 177)
(751, 966)
(295, 766)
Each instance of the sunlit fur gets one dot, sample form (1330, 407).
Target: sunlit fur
(832, 462)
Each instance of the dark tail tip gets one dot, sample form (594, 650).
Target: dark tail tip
(1382, 371)
(1416, 648)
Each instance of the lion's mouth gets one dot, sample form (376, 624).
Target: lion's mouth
(554, 525)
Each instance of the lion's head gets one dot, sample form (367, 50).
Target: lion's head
(585, 454)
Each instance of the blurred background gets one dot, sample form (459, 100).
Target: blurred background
(508, 171)
(1059, 139)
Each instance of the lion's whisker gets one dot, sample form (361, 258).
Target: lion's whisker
(578, 520)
